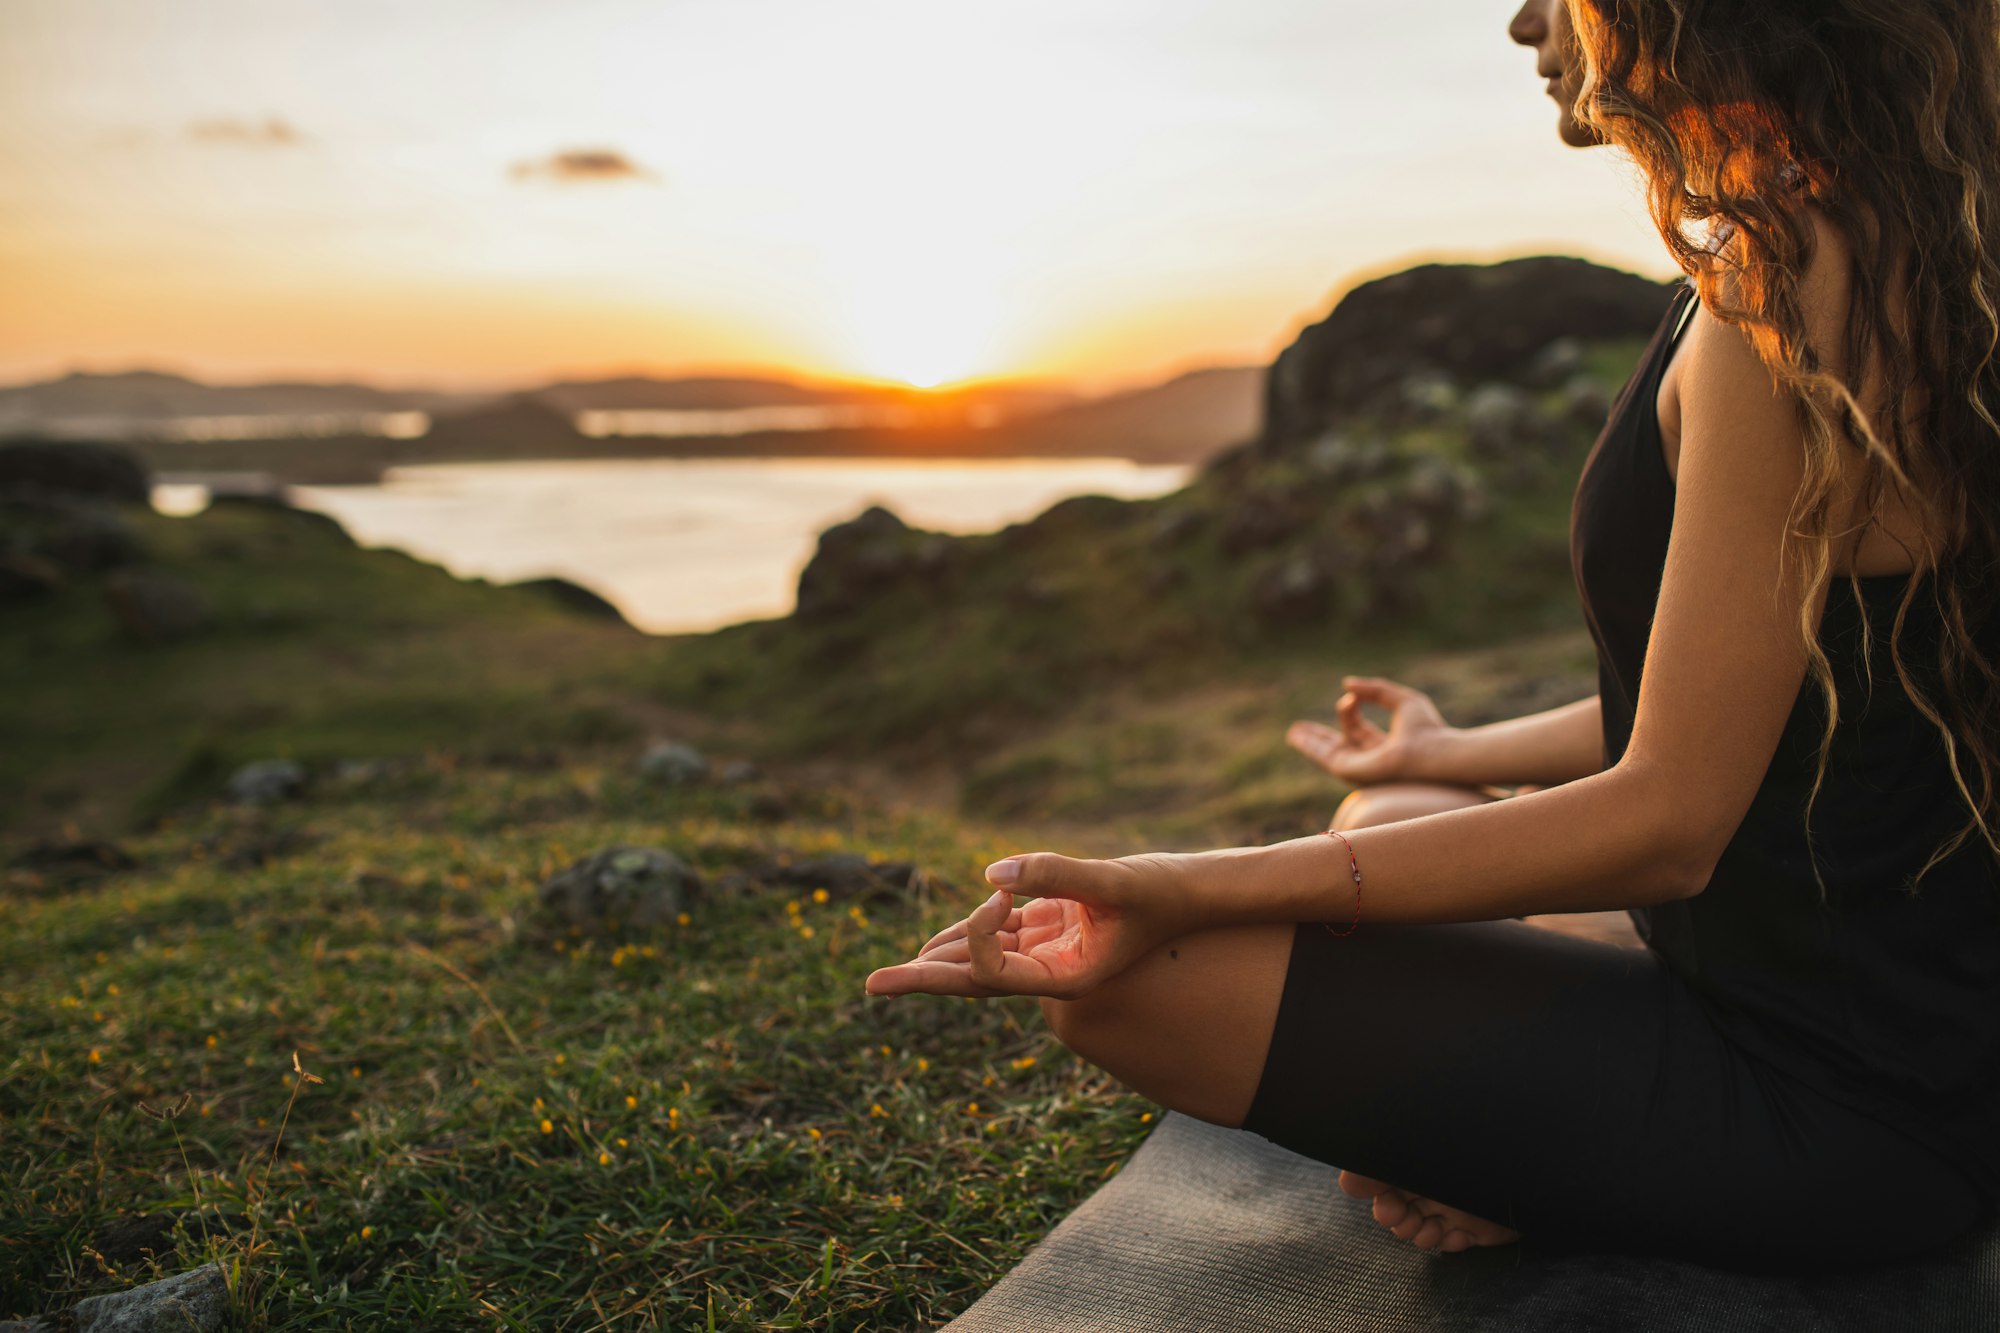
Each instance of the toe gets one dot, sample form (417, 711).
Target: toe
(1456, 1241)
(1430, 1235)
(1391, 1208)
(1362, 1187)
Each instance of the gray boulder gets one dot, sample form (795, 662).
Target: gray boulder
(673, 764)
(267, 782)
(622, 888)
(195, 1300)
(864, 556)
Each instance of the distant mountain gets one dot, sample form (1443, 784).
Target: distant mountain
(132, 403)
(151, 395)
(1184, 420)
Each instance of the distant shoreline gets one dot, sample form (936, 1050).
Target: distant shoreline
(363, 460)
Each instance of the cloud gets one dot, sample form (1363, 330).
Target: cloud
(271, 132)
(573, 166)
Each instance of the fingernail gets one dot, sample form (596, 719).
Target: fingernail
(1004, 872)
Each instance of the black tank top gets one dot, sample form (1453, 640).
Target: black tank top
(1886, 1001)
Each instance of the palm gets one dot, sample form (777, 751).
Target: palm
(1046, 946)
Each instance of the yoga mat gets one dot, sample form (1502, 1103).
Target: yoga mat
(1214, 1229)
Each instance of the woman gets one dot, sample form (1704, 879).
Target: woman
(1790, 523)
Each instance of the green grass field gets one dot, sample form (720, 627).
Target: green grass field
(517, 1127)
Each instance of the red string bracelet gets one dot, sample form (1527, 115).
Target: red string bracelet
(1343, 934)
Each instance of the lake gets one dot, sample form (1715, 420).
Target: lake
(690, 544)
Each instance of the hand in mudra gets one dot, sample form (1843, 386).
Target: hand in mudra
(1088, 922)
(1358, 751)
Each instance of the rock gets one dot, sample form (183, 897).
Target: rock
(1298, 590)
(673, 764)
(1465, 323)
(740, 772)
(156, 607)
(267, 782)
(865, 555)
(622, 888)
(63, 468)
(24, 1326)
(185, 1303)
(574, 596)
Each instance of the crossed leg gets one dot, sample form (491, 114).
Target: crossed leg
(1189, 1026)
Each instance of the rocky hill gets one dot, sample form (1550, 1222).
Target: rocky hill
(1410, 484)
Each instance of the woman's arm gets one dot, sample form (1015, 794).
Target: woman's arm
(1547, 749)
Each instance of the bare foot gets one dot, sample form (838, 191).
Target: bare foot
(1425, 1223)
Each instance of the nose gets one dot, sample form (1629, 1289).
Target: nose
(1531, 25)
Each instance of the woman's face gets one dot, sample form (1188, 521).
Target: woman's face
(1544, 25)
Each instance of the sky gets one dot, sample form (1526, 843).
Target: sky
(473, 193)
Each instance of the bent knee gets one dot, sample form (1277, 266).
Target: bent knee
(1392, 802)
(1087, 1025)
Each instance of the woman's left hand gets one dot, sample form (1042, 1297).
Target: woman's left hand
(1088, 921)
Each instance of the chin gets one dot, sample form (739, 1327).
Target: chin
(1576, 134)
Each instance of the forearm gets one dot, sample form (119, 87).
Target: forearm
(1547, 749)
(1598, 843)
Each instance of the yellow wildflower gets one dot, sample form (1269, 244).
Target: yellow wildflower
(366, 1232)
(815, 1135)
(548, 1126)
(819, 895)
(604, 1159)
(876, 1110)
(631, 1103)
(95, 1056)
(685, 919)
(211, 1041)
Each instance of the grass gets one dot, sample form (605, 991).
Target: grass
(520, 1127)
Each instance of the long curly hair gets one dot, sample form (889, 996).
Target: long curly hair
(1884, 115)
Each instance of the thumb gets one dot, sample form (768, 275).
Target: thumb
(1050, 875)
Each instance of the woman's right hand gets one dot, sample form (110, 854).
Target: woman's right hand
(1358, 752)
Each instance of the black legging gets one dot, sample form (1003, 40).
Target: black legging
(1578, 1093)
